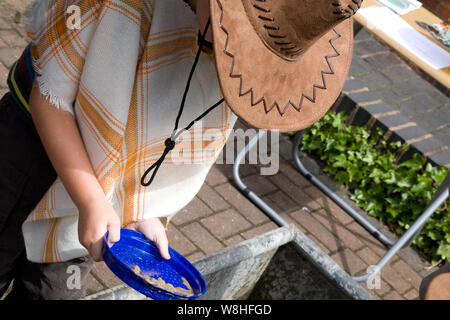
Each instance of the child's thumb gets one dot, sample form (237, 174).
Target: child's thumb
(163, 245)
(113, 234)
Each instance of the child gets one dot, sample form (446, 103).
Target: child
(117, 81)
(88, 111)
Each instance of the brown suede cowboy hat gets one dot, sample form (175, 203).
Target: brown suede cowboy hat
(282, 63)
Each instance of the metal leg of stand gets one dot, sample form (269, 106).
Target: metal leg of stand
(246, 191)
(439, 198)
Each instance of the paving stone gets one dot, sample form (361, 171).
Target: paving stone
(393, 295)
(395, 279)
(234, 240)
(440, 97)
(293, 174)
(179, 242)
(378, 108)
(412, 294)
(428, 145)
(215, 177)
(418, 104)
(346, 237)
(294, 192)
(368, 255)
(363, 34)
(241, 203)
(408, 133)
(367, 238)
(443, 134)
(434, 119)
(389, 96)
(105, 276)
(354, 85)
(410, 87)
(269, 202)
(226, 223)
(282, 201)
(286, 217)
(244, 170)
(375, 80)
(365, 113)
(363, 97)
(3, 75)
(266, 227)
(399, 73)
(201, 237)
(379, 286)
(329, 205)
(212, 198)
(349, 262)
(9, 55)
(317, 229)
(285, 150)
(408, 273)
(13, 39)
(390, 122)
(260, 185)
(359, 67)
(441, 158)
(320, 244)
(4, 25)
(373, 292)
(382, 60)
(93, 285)
(195, 256)
(368, 47)
(194, 210)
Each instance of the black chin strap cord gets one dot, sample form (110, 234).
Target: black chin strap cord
(170, 142)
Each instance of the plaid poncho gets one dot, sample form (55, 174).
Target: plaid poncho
(121, 72)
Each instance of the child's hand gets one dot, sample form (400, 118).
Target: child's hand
(153, 229)
(94, 221)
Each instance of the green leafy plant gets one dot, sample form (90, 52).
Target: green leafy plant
(396, 193)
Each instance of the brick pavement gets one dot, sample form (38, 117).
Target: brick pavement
(220, 216)
(395, 95)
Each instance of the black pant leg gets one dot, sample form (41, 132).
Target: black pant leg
(27, 174)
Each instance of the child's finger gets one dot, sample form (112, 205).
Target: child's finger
(113, 234)
(162, 244)
(163, 247)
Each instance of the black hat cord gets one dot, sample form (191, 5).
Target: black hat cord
(170, 142)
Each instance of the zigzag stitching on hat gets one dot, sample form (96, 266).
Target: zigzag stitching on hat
(267, 110)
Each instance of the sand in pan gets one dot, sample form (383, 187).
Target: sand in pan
(160, 283)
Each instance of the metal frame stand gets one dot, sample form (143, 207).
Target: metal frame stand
(394, 246)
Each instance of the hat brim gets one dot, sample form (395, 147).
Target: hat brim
(267, 91)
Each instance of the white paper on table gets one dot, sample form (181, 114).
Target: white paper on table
(399, 30)
(401, 7)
